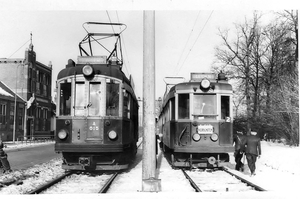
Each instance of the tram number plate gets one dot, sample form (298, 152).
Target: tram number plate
(94, 128)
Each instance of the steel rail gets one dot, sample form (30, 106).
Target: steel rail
(256, 187)
(105, 188)
(51, 183)
(197, 189)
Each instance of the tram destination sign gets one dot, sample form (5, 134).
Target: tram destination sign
(200, 76)
(91, 60)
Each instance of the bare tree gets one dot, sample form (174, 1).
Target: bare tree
(236, 56)
(264, 60)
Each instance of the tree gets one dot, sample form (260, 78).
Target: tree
(264, 62)
(236, 56)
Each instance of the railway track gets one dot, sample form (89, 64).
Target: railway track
(49, 184)
(221, 180)
(82, 182)
(71, 179)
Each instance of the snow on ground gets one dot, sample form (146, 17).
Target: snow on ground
(19, 144)
(278, 171)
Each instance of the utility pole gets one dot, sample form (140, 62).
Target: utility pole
(150, 183)
(15, 106)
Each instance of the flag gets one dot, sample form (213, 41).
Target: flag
(30, 101)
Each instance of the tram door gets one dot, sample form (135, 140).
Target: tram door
(89, 107)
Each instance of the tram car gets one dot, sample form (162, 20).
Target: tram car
(195, 123)
(97, 110)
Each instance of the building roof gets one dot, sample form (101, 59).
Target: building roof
(11, 60)
(8, 94)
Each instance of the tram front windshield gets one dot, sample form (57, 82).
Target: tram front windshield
(204, 105)
(99, 98)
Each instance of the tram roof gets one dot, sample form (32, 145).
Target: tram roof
(188, 87)
(100, 69)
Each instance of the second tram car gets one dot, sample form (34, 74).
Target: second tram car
(97, 110)
(195, 123)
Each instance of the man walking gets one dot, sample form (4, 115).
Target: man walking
(3, 159)
(253, 150)
(239, 140)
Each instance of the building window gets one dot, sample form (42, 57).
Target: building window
(20, 117)
(37, 76)
(45, 114)
(32, 86)
(2, 115)
(38, 112)
(41, 77)
(29, 73)
(45, 90)
(11, 116)
(38, 91)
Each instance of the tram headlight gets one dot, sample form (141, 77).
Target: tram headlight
(62, 134)
(87, 70)
(112, 135)
(196, 137)
(205, 83)
(214, 137)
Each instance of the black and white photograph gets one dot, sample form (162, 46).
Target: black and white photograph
(149, 99)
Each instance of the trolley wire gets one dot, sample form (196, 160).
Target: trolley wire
(121, 38)
(195, 42)
(123, 41)
(187, 40)
(110, 22)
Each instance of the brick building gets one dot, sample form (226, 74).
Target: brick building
(31, 79)
(8, 116)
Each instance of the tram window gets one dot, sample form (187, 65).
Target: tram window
(168, 112)
(225, 107)
(112, 98)
(204, 105)
(126, 105)
(94, 103)
(183, 106)
(65, 99)
(173, 109)
(79, 101)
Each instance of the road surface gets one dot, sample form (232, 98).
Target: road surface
(24, 158)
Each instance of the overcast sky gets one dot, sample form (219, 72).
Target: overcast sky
(184, 40)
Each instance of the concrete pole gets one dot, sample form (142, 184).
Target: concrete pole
(150, 183)
(15, 104)
(25, 123)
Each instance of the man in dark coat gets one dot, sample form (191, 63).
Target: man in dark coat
(239, 140)
(253, 150)
(3, 159)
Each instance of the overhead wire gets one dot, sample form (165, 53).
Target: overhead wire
(110, 21)
(195, 42)
(121, 37)
(126, 56)
(187, 40)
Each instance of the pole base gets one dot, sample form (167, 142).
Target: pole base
(151, 185)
